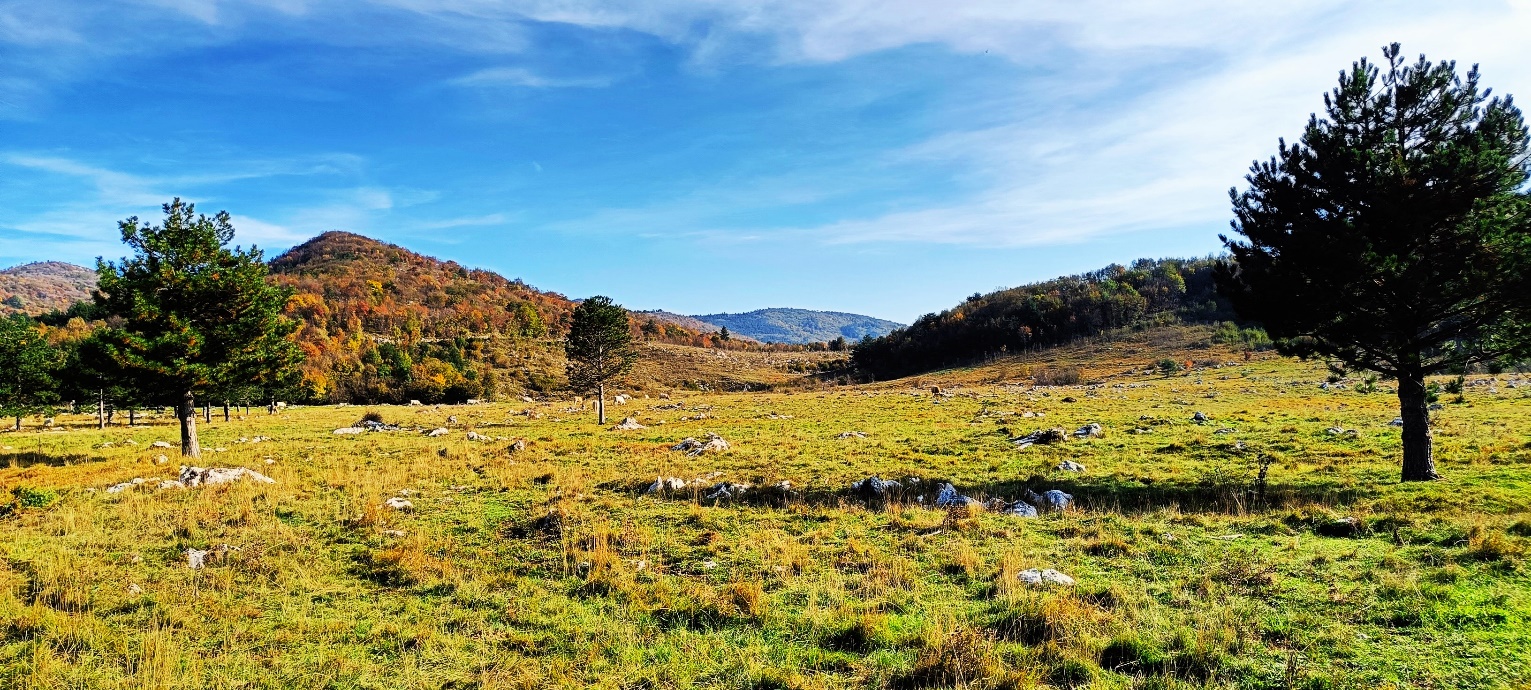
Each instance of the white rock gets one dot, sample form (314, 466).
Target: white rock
(475, 436)
(348, 431)
(666, 484)
(212, 476)
(1091, 430)
(172, 484)
(395, 533)
(1070, 466)
(851, 434)
(948, 497)
(628, 424)
(397, 503)
(160, 459)
(438, 431)
(119, 488)
(160, 444)
(1042, 578)
(1021, 509)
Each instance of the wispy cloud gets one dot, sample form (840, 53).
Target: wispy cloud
(520, 76)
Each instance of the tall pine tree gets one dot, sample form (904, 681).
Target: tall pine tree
(1396, 237)
(196, 317)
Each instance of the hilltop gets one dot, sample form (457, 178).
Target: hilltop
(799, 326)
(44, 286)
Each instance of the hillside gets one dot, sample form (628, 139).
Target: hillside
(1054, 312)
(382, 323)
(44, 286)
(800, 325)
(661, 318)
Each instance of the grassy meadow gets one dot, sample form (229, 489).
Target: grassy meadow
(551, 567)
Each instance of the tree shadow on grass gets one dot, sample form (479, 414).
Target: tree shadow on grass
(22, 459)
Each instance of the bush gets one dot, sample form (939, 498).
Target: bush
(34, 498)
(1168, 366)
(1058, 376)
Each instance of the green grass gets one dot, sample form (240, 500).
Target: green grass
(550, 567)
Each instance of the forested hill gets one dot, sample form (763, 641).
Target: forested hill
(800, 325)
(1048, 313)
(45, 286)
(382, 323)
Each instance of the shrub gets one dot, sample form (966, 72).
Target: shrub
(1168, 366)
(34, 498)
(1058, 376)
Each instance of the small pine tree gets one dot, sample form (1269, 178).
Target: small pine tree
(28, 365)
(599, 348)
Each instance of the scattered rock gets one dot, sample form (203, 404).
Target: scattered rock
(160, 444)
(1070, 466)
(438, 431)
(1200, 418)
(415, 403)
(1069, 399)
(398, 503)
(1043, 578)
(394, 533)
(851, 434)
(475, 436)
(1341, 431)
(1091, 430)
(134, 589)
(1020, 509)
(1397, 421)
(172, 484)
(212, 476)
(1225, 430)
(875, 487)
(693, 447)
(666, 484)
(949, 498)
(1041, 436)
(518, 446)
(349, 430)
(119, 488)
(196, 558)
(160, 459)
(629, 424)
(723, 491)
(451, 419)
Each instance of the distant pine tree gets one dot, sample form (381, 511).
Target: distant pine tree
(599, 348)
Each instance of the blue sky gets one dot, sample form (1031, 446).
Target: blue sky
(886, 158)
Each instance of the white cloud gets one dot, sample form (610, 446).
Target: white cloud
(520, 76)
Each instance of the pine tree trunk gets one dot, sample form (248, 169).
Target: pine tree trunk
(600, 404)
(188, 415)
(132, 416)
(100, 409)
(1418, 456)
(18, 422)
(225, 412)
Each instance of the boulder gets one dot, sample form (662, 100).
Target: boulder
(518, 446)
(438, 431)
(349, 430)
(1044, 578)
(160, 444)
(1200, 418)
(1397, 421)
(398, 503)
(850, 434)
(415, 403)
(1070, 466)
(1091, 430)
(475, 436)
(693, 447)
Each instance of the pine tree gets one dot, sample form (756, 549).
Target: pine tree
(196, 317)
(599, 348)
(1396, 237)
(28, 367)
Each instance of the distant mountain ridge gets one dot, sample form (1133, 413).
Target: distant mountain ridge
(798, 326)
(44, 286)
